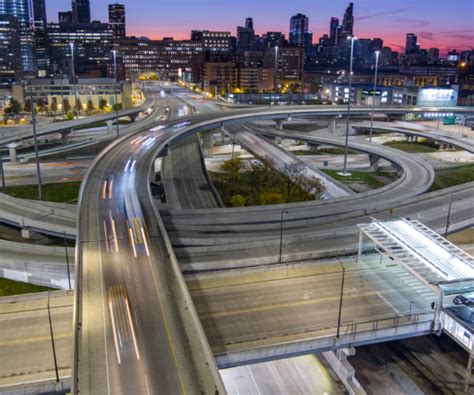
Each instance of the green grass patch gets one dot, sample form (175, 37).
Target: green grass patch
(63, 192)
(337, 151)
(413, 146)
(305, 152)
(360, 177)
(454, 176)
(10, 287)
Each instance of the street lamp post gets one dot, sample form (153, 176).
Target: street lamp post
(275, 77)
(344, 172)
(2, 173)
(451, 198)
(114, 52)
(340, 298)
(52, 342)
(73, 75)
(377, 53)
(35, 140)
(67, 261)
(283, 212)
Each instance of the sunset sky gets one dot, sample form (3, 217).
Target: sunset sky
(438, 23)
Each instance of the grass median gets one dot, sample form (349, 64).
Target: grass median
(63, 192)
(446, 178)
(10, 287)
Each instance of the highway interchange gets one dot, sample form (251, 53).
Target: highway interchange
(125, 261)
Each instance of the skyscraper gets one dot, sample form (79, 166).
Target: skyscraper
(9, 49)
(348, 21)
(245, 36)
(21, 10)
(347, 28)
(81, 11)
(333, 31)
(298, 28)
(117, 20)
(41, 37)
(411, 46)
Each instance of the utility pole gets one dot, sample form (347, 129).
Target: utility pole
(67, 261)
(346, 149)
(35, 139)
(451, 198)
(2, 173)
(377, 53)
(52, 342)
(73, 74)
(114, 52)
(283, 212)
(340, 299)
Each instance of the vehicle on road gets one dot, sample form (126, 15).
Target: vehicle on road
(467, 299)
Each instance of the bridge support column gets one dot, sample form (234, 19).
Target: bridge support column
(109, 125)
(313, 147)
(132, 117)
(279, 123)
(65, 136)
(374, 162)
(343, 369)
(332, 126)
(12, 151)
(207, 143)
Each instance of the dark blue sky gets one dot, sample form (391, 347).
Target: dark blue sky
(438, 23)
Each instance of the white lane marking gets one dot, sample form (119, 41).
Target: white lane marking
(103, 318)
(111, 190)
(106, 236)
(104, 189)
(389, 304)
(128, 271)
(132, 242)
(145, 242)
(126, 166)
(147, 386)
(114, 330)
(253, 379)
(115, 236)
(133, 330)
(133, 165)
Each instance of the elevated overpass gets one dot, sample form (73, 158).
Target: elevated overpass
(407, 129)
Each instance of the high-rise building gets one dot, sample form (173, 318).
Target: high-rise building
(298, 28)
(334, 31)
(348, 21)
(245, 36)
(433, 55)
(411, 45)
(117, 20)
(64, 17)
(41, 37)
(9, 49)
(347, 28)
(273, 39)
(92, 43)
(21, 10)
(213, 41)
(81, 11)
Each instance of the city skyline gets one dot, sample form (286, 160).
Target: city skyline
(437, 26)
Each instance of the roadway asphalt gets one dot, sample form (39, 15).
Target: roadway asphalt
(124, 268)
(183, 171)
(411, 129)
(25, 340)
(282, 160)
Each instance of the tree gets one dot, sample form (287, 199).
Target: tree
(117, 107)
(102, 103)
(14, 107)
(267, 198)
(238, 201)
(27, 105)
(297, 186)
(66, 105)
(41, 105)
(90, 106)
(78, 106)
(53, 107)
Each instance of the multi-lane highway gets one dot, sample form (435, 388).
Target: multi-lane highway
(133, 312)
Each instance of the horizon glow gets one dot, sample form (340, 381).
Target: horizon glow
(437, 24)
